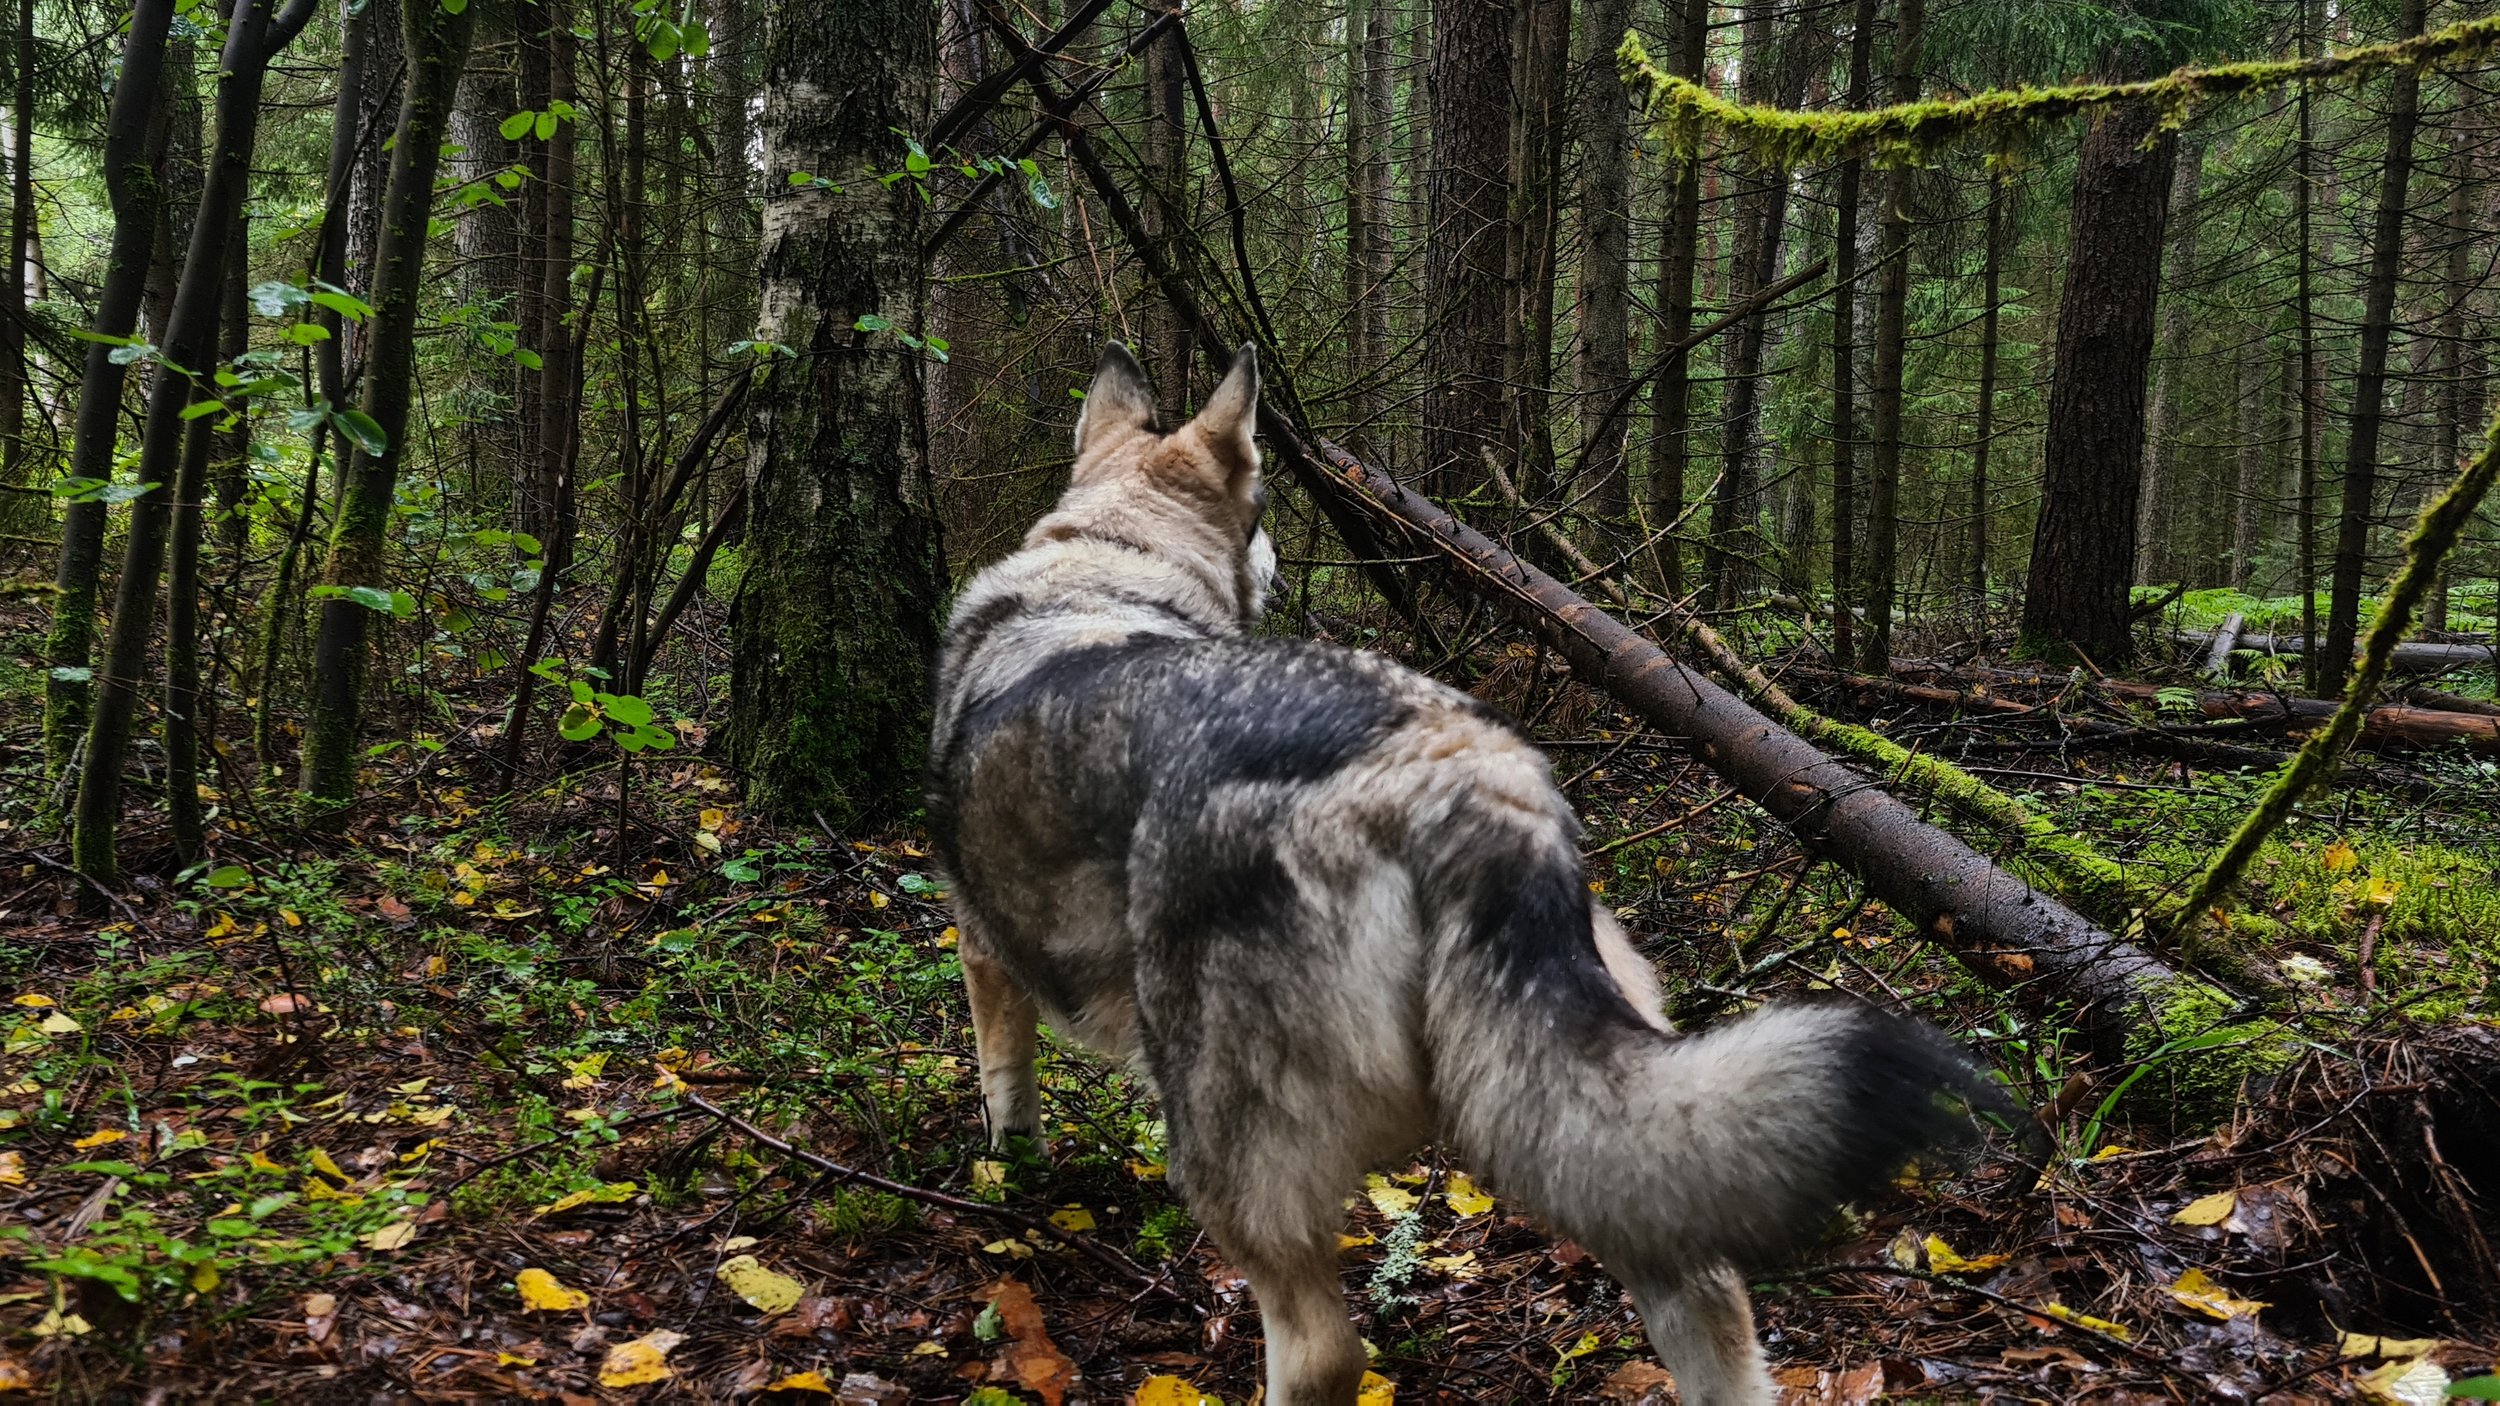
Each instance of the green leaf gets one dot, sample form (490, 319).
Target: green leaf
(528, 545)
(227, 876)
(71, 673)
(741, 871)
(581, 692)
(579, 724)
(346, 305)
(2475, 1389)
(659, 739)
(304, 334)
(198, 408)
(276, 297)
(361, 430)
(797, 178)
(529, 360)
(626, 708)
(129, 352)
(453, 7)
(402, 604)
(664, 42)
(871, 322)
(546, 126)
(696, 40)
(512, 127)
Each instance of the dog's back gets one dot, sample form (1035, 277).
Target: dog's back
(1335, 909)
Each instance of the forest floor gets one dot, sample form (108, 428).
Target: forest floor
(572, 1097)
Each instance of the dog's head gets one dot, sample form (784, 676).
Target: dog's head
(1190, 496)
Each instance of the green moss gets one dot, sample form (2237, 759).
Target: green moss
(2003, 119)
(2195, 1052)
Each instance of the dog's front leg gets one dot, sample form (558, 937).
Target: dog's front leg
(1003, 1032)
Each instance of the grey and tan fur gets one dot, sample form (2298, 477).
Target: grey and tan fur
(1335, 910)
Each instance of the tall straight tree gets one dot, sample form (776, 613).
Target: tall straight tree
(2155, 560)
(436, 44)
(829, 709)
(1168, 339)
(1679, 244)
(1369, 63)
(1605, 292)
(22, 504)
(2359, 508)
(1846, 201)
(1892, 337)
(135, 132)
(2083, 547)
(255, 32)
(1466, 345)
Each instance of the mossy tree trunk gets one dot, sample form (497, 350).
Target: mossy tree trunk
(839, 607)
(437, 46)
(1467, 346)
(134, 145)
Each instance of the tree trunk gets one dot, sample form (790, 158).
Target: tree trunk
(2156, 561)
(1992, 302)
(2457, 399)
(24, 506)
(1846, 205)
(2359, 507)
(436, 45)
(134, 147)
(253, 37)
(1168, 348)
(1892, 300)
(822, 718)
(1541, 47)
(1605, 292)
(2083, 549)
(1465, 345)
(1369, 248)
(1679, 237)
(2305, 496)
(386, 78)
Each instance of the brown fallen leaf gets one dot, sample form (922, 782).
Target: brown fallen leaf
(396, 913)
(1031, 1358)
(1637, 1381)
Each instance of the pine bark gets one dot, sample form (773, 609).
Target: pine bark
(1605, 292)
(1679, 236)
(23, 504)
(1466, 348)
(1992, 302)
(1847, 202)
(436, 45)
(1892, 300)
(828, 715)
(1370, 243)
(1166, 144)
(2357, 512)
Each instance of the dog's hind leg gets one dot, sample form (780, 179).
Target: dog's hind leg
(1003, 1033)
(1289, 1253)
(1703, 1331)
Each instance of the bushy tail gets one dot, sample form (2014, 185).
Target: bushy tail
(1662, 1153)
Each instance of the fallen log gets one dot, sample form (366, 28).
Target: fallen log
(2390, 727)
(2226, 639)
(2411, 657)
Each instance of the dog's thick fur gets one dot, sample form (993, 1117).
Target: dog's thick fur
(1335, 910)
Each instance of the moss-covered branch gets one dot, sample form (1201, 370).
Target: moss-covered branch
(2434, 533)
(1684, 113)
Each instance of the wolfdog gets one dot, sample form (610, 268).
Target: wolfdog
(1334, 910)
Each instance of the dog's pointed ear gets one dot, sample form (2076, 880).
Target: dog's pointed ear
(1231, 416)
(1118, 401)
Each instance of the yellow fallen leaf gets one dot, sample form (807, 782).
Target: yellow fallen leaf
(1459, 1266)
(1171, 1391)
(2205, 1296)
(953, 936)
(2372, 1345)
(1903, 1252)
(12, 1168)
(2417, 1382)
(989, 1176)
(607, 1194)
(394, 1236)
(2063, 1314)
(1942, 1259)
(540, 1293)
(586, 1070)
(260, 1163)
(928, 1349)
(99, 1138)
(645, 1359)
(762, 1288)
(1348, 1242)
(322, 1163)
(320, 1305)
(1376, 1390)
(2207, 1210)
(2338, 857)
(56, 1324)
(1012, 1249)
(35, 1000)
(204, 1277)
(803, 1381)
(14, 1376)
(2113, 1150)
(1388, 1200)
(1073, 1219)
(514, 1359)
(2380, 893)
(1145, 1171)
(1464, 1198)
(59, 1024)
(421, 1151)
(223, 927)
